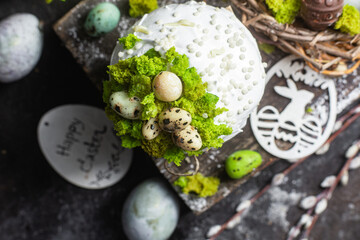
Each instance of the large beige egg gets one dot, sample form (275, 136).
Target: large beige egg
(21, 43)
(167, 86)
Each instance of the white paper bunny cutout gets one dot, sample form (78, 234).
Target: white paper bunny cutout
(293, 133)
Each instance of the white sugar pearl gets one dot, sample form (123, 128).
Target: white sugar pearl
(121, 54)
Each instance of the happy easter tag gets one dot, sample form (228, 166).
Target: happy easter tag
(79, 143)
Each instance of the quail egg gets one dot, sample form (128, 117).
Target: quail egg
(151, 129)
(188, 139)
(125, 106)
(174, 119)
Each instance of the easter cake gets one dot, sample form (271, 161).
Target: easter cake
(184, 79)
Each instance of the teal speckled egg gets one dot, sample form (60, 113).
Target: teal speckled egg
(103, 18)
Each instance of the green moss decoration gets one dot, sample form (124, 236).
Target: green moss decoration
(349, 21)
(140, 7)
(284, 11)
(198, 184)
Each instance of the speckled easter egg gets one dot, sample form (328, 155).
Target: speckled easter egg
(21, 43)
(150, 212)
(103, 18)
(242, 162)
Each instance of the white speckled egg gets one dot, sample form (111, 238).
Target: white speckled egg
(125, 106)
(188, 139)
(173, 119)
(151, 129)
(167, 86)
(21, 43)
(150, 212)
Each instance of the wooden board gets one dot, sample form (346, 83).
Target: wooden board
(93, 54)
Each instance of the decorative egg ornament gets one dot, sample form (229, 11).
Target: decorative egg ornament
(320, 14)
(103, 18)
(21, 43)
(150, 212)
(299, 115)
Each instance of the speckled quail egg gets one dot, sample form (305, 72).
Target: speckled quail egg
(21, 43)
(188, 139)
(103, 18)
(167, 86)
(125, 106)
(150, 212)
(151, 129)
(174, 119)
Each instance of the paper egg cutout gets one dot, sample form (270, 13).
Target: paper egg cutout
(150, 212)
(21, 43)
(281, 124)
(79, 143)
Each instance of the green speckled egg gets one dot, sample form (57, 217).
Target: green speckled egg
(103, 18)
(241, 163)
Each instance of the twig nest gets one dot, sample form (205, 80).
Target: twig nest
(320, 14)
(151, 129)
(174, 119)
(188, 139)
(126, 107)
(167, 86)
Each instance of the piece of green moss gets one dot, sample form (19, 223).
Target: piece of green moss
(349, 21)
(284, 11)
(140, 7)
(198, 184)
(129, 41)
(267, 48)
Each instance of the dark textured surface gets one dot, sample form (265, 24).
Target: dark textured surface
(36, 203)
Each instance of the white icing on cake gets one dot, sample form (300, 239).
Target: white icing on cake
(218, 45)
